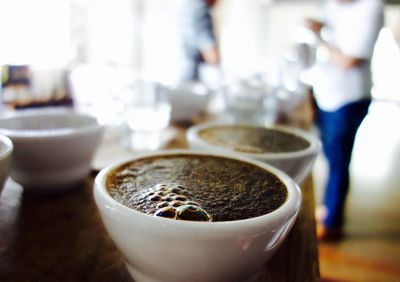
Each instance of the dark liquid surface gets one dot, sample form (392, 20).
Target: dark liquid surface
(202, 187)
(252, 139)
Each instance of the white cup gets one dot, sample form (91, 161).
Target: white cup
(296, 164)
(53, 149)
(160, 249)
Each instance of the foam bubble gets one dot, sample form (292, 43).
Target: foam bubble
(176, 204)
(168, 212)
(154, 198)
(193, 213)
(162, 205)
(168, 199)
(161, 187)
(180, 198)
(176, 190)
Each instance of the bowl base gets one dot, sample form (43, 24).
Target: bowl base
(140, 277)
(52, 190)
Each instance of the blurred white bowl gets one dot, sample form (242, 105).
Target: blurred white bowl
(297, 164)
(53, 149)
(188, 101)
(6, 148)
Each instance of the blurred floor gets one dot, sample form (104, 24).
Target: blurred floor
(370, 250)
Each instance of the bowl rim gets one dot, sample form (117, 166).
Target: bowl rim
(52, 132)
(192, 136)
(288, 209)
(8, 146)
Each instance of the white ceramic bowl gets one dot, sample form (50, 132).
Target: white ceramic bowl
(6, 148)
(160, 249)
(296, 164)
(53, 149)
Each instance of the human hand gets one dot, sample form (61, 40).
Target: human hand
(314, 26)
(210, 55)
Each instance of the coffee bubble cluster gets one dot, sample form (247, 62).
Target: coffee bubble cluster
(172, 202)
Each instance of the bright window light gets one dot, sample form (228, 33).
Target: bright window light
(35, 33)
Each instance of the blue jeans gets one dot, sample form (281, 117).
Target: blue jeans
(338, 130)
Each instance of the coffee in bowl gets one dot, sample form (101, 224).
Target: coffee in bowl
(202, 216)
(290, 149)
(199, 188)
(253, 139)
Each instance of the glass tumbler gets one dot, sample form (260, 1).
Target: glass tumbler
(146, 115)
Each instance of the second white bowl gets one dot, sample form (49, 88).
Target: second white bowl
(53, 149)
(297, 164)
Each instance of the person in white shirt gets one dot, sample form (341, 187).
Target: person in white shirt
(342, 90)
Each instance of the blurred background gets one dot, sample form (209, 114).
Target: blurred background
(89, 54)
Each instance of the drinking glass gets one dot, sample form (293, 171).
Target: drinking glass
(249, 101)
(146, 115)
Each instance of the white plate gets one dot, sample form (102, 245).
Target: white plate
(112, 149)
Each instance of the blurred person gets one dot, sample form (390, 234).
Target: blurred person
(342, 90)
(196, 38)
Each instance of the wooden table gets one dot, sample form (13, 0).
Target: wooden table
(62, 238)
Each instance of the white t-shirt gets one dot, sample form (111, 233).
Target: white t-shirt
(353, 28)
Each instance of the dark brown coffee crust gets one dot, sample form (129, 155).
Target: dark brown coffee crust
(226, 189)
(253, 139)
